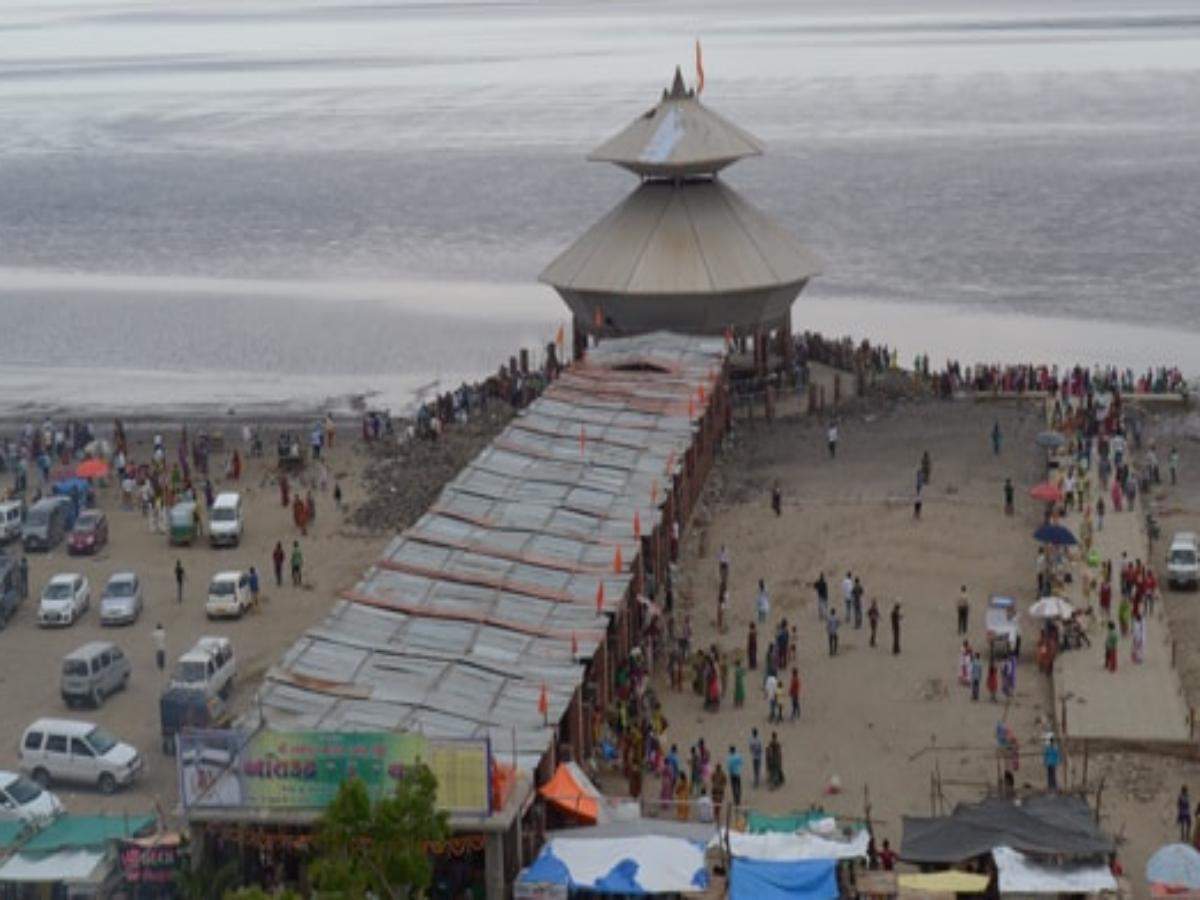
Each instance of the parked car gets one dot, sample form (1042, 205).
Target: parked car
(10, 588)
(64, 599)
(209, 666)
(73, 751)
(1183, 560)
(121, 602)
(183, 522)
(92, 672)
(47, 523)
(12, 514)
(89, 534)
(228, 595)
(225, 520)
(24, 800)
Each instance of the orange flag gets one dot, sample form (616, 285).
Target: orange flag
(560, 337)
(700, 393)
(544, 701)
(617, 567)
(598, 318)
(582, 440)
(574, 645)
(654, 492)
(699, 69)
(600, 597)
(637, 525)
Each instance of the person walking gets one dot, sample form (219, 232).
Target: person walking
(159, 636)
(763, 603)
(848, 595)
(993, 680)
(996, 437)
(776, 501)
(756, 756)
(733, 764)
(831, 438)
(976, 675)
(821, 586)
(794, 693)
(1008, 496)
(752, 647)
(856, 596)
(297, 565)
(253, 576)
(179, 579)
(873, 619)
(896, 629)
(775, 777)
(1050, 758)
(719, 782)
(831, 630)
(964, 610)
(23, 574)
(1173, 464)
(277, 556)
(1183, 815)
(917, 502)
(769, 693)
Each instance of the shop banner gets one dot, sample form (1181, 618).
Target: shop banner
(143, 863)
(303, 769)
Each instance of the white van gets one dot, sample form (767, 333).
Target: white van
(208, 666)
(12, 514)
(70, 750)
(1183, 560)
(228, 595)
(225, 521)
(92, 672)
(22, 800)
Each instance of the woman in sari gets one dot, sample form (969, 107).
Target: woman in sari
(682, 798)
(1138, 648)
(964, 664)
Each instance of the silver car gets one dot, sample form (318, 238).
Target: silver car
(121, 602)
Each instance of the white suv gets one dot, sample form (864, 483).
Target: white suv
(64, 599)
(70, 750)
(1183, 560)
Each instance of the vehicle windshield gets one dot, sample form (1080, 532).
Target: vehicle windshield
(38, 517)
(1183, 557)
(101, 741)
(57, 590)
(23, 790)
(223, 514)
(119, 589)
(75, 667)
(86, 524)
(221, 588)
(190, 671)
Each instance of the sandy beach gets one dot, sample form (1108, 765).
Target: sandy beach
(884, 724)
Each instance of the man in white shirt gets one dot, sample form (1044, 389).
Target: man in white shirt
(848, 595)
(831, 437)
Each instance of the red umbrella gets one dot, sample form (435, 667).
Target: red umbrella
(1051, 493)
(92, 468)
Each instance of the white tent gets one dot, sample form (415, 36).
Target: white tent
(1020, 874)
(780, 846)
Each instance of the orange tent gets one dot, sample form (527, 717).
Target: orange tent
(571, 791)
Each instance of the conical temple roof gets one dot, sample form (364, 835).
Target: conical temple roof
(694, 238)
(680, 136)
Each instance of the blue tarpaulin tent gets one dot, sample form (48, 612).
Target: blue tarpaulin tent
(648, 864)
(802, 879)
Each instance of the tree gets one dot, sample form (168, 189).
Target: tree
(364, 848)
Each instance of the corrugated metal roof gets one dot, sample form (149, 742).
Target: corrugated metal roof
(472, 610)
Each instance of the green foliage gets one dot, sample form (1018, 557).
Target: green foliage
(208, 882)
(364, 848)
(257, 893)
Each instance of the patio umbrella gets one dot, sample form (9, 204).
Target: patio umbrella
(1051, 608)
(1056, 535)
(1046, 491)
(1177, 865)
(1050, 439)
(92, 468)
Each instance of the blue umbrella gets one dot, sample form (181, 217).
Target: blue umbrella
(1054, 534)
(1175, 864)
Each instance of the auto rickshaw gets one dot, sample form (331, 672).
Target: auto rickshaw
(184, 522)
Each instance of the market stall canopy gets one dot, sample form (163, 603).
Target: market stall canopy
(803, 879)
(1051, 608)
(636, 865)
(1047, 491)
(1175, 866)
(774, 845)
(1048, 824)
(680, 136)
(1020, 874)
(571, 791)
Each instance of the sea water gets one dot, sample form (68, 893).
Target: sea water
(263, 201)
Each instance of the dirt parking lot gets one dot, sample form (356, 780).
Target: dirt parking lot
(31, 658)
